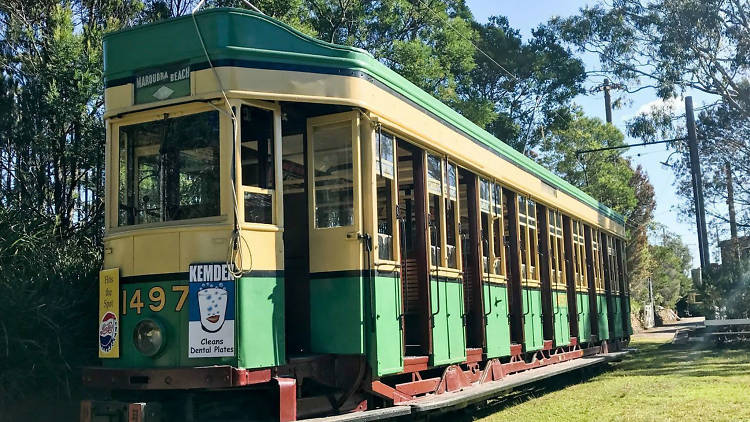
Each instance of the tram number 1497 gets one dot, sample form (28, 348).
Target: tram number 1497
(157, 299)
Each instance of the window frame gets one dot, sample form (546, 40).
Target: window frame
(277, 193)
(530, 275)
(112, 179)
(556, 249)
(579, 256)
(374, 174)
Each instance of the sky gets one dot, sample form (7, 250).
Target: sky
(527, 15)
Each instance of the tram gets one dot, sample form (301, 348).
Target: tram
(295, 230)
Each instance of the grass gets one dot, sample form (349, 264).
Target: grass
(662, 382)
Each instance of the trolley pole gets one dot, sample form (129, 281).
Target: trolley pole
(695, 171)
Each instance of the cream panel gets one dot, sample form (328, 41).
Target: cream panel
(119, 253)
(156, 253)
(262, 250)
(203, 246)
(118, 97)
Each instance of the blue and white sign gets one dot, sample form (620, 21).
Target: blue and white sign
(211, 311)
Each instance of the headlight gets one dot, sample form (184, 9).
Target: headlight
(148, 337)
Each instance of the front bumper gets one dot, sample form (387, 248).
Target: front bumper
(173, 378)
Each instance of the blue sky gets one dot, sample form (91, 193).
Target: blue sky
(527, 15)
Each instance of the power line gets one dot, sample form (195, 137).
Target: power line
(586, 151)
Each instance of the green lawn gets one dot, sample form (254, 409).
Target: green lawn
(661, 382)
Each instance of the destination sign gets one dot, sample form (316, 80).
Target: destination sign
(162, 84)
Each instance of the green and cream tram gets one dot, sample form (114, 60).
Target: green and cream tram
(289, 218)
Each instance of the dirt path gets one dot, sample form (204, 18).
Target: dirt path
(668, 330)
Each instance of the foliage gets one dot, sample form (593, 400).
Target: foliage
(668, 45)
(640, 262)
(519, 88)
(47, 299)
(605, 175)
(671, 277)
(51, 183)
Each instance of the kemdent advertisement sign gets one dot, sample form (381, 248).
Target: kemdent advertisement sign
(162, 84)
(211, 311)
(109, 313)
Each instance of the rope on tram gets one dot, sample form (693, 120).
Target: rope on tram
(235, 260)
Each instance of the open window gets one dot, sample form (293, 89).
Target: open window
(435, 188)
(556, 250)
(386, 194)
(499, 267)
(257, 164)
(452, 216)
(596, 255)
(485, 219)
(169, 169)
(528, 240)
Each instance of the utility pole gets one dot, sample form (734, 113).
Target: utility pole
(695, 171)
(607, 87)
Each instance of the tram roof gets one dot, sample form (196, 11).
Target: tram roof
(238, 37)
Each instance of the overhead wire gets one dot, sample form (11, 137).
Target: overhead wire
(235, 261)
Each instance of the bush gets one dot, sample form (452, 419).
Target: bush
(48, 302)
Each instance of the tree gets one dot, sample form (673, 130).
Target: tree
(671, 277)
(640, 262)
(605, 175)
(668, 45)
(51, 184)
(519, 88)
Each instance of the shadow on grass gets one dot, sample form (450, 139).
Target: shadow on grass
(689, 360)
(652, 359)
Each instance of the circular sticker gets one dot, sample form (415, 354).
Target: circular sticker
(107, 332)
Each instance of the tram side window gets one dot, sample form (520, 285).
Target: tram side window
(484, 219)
(498, 247)
(334, 177)
(579, 251)
(529, 238)
(169, 169)
(451, 215)
(257, 163)
(597, 260)
(434, 189)
(556, 251)
(384, 175)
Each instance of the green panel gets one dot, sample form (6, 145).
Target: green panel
(601, 306)
(384, 344)
(175, 325)
(627, 312)
(448, 334)
(336, 315)
(498, 326)
(584, 317)
(618, 316)
(260, 311)
(532, 319)
(236, 34)
(561, 317)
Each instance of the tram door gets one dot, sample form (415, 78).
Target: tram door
(335, 222)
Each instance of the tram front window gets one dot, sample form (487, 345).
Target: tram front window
(169, 169)
(257, 164)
